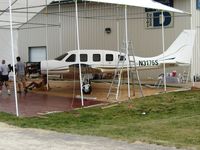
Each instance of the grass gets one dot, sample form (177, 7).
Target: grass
(171, 119)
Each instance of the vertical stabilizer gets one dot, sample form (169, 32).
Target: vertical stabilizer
(181, 49)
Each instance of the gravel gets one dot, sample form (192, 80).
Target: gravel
(15, 138)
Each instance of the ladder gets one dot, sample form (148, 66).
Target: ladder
(116, 82)
(133, 67)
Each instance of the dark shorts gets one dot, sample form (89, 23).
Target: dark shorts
(4, 78)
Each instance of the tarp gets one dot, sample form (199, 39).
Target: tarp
(140, 3)
(23, 11)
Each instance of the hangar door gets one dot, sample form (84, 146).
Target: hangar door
(36, 54)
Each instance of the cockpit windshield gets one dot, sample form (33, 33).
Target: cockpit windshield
(61, 56)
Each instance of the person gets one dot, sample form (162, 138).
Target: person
(174, 73)
(39, 85)
(20, 72)
(4, 76)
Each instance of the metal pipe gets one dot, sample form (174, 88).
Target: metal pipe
(13, 59)
(78, 47)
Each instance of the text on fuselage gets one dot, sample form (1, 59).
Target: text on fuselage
(148, 62)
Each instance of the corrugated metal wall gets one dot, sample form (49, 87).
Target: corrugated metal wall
(196, 26)
(93, 19)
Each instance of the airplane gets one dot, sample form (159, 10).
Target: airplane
(178, 54)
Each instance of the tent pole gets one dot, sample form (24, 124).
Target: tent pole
(118, 47)
(192, 60)
(78, 47)
(60, 29)
(26, 10)
(127, 54)
(47, 52)
(13, 58)
(163, 47)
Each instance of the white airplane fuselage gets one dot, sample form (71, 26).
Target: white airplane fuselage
(105, 60)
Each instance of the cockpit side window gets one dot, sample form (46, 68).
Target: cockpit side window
(83, 57)
(109, 57)
(61, 56)
(71, 58)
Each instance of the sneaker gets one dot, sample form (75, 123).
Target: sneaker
(8, 92)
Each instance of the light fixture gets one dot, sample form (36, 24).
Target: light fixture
(108, 30)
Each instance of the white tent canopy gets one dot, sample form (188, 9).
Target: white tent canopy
(23, 11)
(141, 3)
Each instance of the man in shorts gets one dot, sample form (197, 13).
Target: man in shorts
(20, 71)
(4, 76)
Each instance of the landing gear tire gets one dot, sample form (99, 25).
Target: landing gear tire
(87, 89)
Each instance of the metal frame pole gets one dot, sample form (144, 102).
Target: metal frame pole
(192, 60)
(60, 29)
(163, 47)
(13, 58)
(127, 54)
(78, 47)
(47, 54)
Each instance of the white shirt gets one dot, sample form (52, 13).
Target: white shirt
(4, 69)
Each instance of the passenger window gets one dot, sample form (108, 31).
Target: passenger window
(96, 57)
(71, 58)
(83, 57)
(109, 57)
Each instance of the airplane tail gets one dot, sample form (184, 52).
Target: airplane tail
(180, 51)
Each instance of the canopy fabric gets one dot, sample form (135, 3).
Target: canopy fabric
(141, 3)
(23, 10)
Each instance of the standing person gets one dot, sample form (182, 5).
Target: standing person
(20, 71)
(4, 76)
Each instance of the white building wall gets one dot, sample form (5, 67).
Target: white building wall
(5, 42)
(196, 26)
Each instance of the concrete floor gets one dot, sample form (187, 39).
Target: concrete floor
(65, 96)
